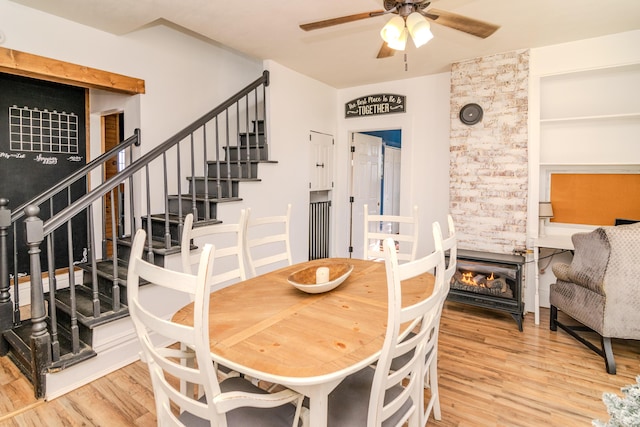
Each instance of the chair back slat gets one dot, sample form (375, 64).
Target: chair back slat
(268, 242)
(402, 229)
(450, 248)
(229, 241)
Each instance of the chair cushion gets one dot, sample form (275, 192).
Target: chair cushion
(589, 263)
(247, 416)
(581, 303)
(349, 401)
(561, 271)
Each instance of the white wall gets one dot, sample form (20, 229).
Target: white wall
(425, 152)
(296, 106)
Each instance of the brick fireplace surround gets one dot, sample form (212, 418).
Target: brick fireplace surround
(489, 160)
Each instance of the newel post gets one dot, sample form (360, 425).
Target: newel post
(40, 339)
(6, 312)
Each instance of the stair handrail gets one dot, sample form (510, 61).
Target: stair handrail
(83, 171)
(81, 203)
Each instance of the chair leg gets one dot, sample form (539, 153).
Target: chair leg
(553, 318)
(607, 351)
(430, 381)
(435, 394)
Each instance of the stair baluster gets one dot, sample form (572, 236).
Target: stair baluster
(53, 314)
(115, 300)
(92, 260)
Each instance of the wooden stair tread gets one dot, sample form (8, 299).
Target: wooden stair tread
(200, 198)
(84, 306)
(225, 179)
(104, 268)
(242, 161)
(175, 219)
(157, 245)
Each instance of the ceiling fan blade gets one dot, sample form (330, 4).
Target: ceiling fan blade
(462, 23)
(341, 20)
(385, 51)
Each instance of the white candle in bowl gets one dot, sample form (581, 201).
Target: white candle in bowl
(322, 275)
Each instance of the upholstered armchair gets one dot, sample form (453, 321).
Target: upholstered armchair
(601, 288)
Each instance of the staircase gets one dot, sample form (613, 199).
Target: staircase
(79, 327)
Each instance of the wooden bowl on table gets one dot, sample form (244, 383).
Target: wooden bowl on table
(305, 279)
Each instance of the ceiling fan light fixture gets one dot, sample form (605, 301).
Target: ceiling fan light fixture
(392, 31)
(419, 28)
(401, 42)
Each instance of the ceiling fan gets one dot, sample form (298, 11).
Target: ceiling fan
(412, 14)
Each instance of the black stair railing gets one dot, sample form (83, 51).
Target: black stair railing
(174, 178)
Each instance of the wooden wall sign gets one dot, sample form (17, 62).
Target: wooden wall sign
(374, 105)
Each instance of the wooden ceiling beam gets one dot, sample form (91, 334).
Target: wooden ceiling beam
(40, 67)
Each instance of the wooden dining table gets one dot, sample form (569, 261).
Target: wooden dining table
(266, 328)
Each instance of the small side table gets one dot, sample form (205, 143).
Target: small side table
(556, 241)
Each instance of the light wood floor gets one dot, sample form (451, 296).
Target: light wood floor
(490, 375)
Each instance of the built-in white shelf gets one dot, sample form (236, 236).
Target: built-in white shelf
(590, 118)
(590, 167)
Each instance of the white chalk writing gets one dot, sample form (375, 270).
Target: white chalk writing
(4, 155)
(46, 160)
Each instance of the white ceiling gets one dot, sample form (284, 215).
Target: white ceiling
(345, 55)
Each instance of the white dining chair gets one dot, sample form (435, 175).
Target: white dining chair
(229, 241)
(403, 230)
(450, 248)
(268, 242)
(231, 402)
(447, 246)
(377, 395)
(431, 346)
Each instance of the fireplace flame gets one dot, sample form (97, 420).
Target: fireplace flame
(469, 279)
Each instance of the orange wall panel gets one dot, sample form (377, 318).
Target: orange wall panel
(594, 199)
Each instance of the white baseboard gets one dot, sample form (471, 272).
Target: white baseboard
(107, 361)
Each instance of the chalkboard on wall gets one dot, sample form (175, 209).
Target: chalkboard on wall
(42, 141)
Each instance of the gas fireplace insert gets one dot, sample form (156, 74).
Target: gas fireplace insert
(489, 280)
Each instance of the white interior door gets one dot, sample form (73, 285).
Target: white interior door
(391, 183)
(366, 184)
(321, 162)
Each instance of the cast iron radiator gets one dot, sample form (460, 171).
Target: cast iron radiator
(319, 229)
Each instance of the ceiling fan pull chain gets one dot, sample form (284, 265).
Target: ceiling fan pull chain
(406, 66)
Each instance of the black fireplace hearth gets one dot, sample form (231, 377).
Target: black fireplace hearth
(489, 280)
